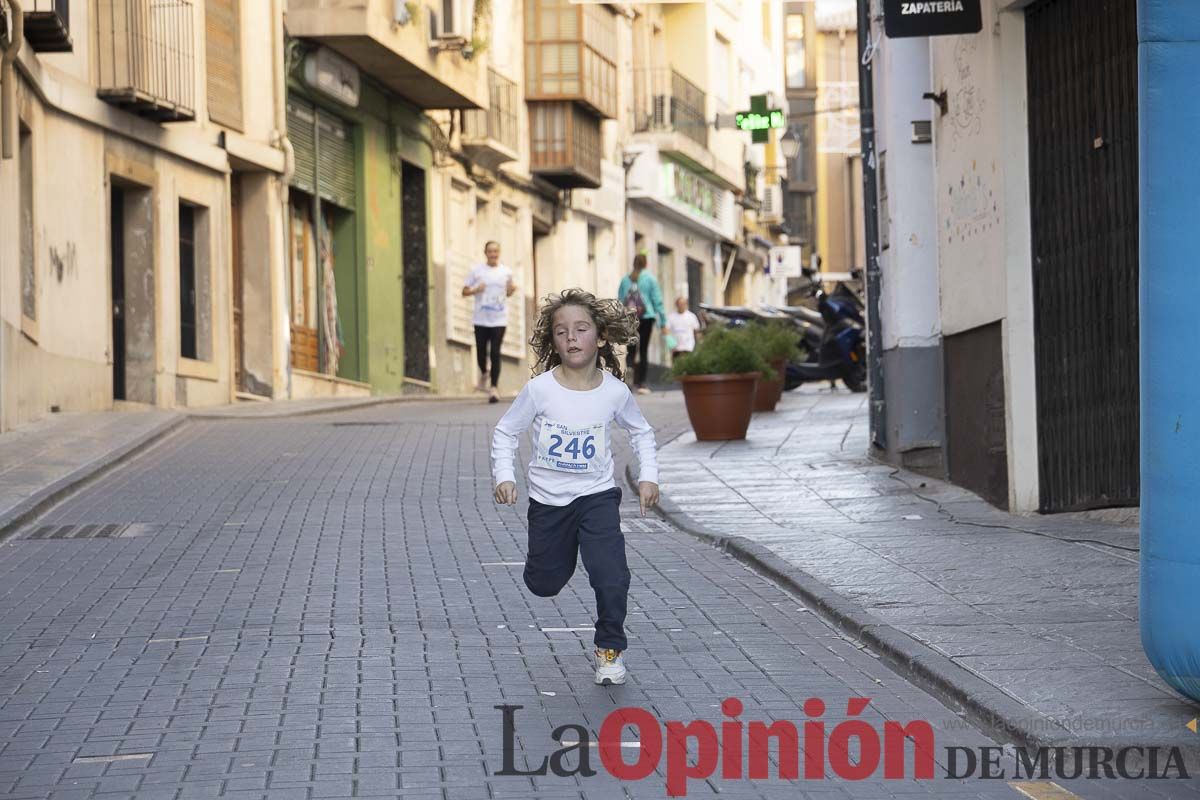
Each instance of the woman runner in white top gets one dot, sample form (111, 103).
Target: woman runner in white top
(491, 284)
(574, 503)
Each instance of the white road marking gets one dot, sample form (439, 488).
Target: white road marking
(567, 630)
(503, 564)
(107, 759)
(1043, 790)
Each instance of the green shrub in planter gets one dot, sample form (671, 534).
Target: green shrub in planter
(724, 351)
(775, 341)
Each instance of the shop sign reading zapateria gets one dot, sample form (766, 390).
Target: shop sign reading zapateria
(902, 18)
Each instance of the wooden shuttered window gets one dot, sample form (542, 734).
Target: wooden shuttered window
(570, 52)
(223, 45)
(564, 145)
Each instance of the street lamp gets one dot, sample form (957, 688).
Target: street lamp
(790, 144)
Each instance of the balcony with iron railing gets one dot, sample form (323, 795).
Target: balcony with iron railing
(48, 25)
(666, 101)
(146, 57)
(490, 138)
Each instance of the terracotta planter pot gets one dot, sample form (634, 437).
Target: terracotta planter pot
(719, 406)
(768, 393)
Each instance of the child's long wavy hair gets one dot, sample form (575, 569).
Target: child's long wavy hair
(615, 325)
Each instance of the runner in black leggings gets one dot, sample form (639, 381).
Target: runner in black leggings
(638, 359)
(487, 341)
(491, 284)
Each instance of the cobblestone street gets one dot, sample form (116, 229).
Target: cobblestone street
(332, 606)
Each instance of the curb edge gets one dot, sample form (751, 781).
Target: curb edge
(366, 402)
(40, 501)
(994, 712)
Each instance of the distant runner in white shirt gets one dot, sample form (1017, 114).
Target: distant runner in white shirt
(682, 325)
(574, 503)
(491, 284)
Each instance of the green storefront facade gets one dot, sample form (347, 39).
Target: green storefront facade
(366, 155)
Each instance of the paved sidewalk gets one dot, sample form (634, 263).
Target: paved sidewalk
(45, 460)
(41, 461)
(1042, 609)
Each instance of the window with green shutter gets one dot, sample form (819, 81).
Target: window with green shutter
(335, 160)
(302, 131)
(223, 46)
(323, 144)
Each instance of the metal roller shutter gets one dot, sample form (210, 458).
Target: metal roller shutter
(324, 149)
(1082, 63)
(335, 162)
(301, 122)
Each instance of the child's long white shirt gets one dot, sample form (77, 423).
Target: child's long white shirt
(545, 401)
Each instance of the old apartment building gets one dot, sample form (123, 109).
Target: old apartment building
(218, 201)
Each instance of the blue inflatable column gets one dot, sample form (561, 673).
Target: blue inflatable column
(1169, 141)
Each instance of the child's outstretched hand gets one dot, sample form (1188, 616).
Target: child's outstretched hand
(506, 493)
(647, 495)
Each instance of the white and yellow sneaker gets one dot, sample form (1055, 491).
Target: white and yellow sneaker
(610, 667)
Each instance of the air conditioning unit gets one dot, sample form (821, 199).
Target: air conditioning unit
(772, 203)
(922, 131)
(450, 24)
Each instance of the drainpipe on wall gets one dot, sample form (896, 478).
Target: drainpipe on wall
(8, 79)
(278, 44)
(8, 113)
(866, 106)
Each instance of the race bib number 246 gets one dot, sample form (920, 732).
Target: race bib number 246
(570, 448)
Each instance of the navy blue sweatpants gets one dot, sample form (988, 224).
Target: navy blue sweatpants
(590, 526)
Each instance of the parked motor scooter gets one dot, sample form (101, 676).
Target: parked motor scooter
(740, 316)
(831, 338)
(809, 324)
(840, 353)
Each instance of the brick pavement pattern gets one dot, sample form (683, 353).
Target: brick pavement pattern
(330, 607)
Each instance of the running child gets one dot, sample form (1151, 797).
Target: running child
(574, 503)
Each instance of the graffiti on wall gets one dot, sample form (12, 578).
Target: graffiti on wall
(62, 263)
(967, 103)
(971, 204)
